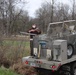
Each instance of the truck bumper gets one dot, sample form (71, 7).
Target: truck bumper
(41, 63)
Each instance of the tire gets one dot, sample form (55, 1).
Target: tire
(70, 51)
(64, 73)
(73, 69)
(65, 70)
(67, 73)
(43, 71)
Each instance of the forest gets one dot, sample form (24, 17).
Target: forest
(14, 19)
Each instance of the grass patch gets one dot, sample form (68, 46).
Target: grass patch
(20, 46)
(13, 50)
(15, 43)
(4, 71)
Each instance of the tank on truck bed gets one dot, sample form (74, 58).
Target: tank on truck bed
(56, 49)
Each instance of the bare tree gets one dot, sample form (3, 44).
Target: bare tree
(52, 9)
(73, 8)
(43, 15)
(49, 12)
(9, 14)
(62, 12)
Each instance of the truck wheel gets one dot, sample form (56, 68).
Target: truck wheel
(70, 50)
(73, 69)
(43, 71)
(67, 73)
(64, 71)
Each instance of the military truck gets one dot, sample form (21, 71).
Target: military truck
(55, 51)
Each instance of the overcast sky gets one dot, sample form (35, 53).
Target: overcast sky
(33, 5)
